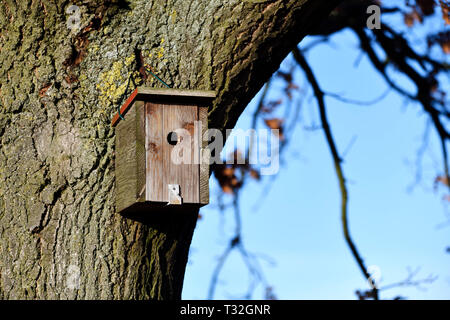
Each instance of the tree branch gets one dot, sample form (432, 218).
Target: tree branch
(319, 94)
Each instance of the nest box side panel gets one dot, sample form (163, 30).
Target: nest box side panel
(140, 150)
(154, 146)
(185, 174)
(128, 169)
(204, 156)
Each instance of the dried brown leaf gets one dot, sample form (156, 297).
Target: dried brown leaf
(445, 7)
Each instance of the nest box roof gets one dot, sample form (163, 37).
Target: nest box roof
(164, 96)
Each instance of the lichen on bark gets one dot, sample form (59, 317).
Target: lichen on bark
(60, 237)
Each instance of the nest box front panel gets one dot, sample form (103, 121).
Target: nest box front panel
(163, 139)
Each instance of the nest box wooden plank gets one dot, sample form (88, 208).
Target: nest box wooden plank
(159, 149)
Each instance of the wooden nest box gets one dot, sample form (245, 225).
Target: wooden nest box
(159, 149)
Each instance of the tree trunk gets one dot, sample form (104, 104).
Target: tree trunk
(60, 237)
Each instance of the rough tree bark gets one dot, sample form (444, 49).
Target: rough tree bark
(60, 237)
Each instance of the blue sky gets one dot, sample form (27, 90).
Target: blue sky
(297, 223)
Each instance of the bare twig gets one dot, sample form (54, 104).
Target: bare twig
(409, 281)
(219, 266)
(357, 102)
(397, 49)
(319, 94)
(249, 259)
(419, 156)
(256, 113)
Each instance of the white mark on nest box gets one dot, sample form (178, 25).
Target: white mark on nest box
(174, 194)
